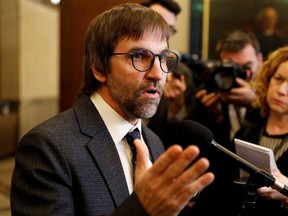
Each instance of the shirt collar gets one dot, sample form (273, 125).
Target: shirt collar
(117, 126)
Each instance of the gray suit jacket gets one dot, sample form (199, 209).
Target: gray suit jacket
(69, 165)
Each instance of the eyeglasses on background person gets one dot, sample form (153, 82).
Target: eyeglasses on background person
(143, 60)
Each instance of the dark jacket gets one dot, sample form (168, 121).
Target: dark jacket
(69, 165)
(251, 133)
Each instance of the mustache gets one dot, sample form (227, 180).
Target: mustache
(152, 87)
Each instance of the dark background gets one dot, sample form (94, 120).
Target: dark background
(225, 15)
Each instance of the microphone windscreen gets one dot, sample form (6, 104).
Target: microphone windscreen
(189, 132)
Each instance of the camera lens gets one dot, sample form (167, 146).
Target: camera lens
(225, 75)
(224, 80)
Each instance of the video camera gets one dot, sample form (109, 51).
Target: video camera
(214, 75)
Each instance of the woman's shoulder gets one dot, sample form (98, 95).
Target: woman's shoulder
(250, 132)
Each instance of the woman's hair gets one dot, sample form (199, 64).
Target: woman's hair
(107, 29)
(262, 80)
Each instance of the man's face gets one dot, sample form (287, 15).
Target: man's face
(247, 57)
(169, 16)
(131, 93)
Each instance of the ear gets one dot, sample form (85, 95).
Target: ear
(260, 57)
(98, 76)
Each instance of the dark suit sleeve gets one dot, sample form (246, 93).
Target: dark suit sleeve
(131, 207)
(41, 182)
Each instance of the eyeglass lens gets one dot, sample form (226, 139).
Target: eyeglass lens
(143, 60)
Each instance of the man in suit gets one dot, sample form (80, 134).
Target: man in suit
(214, 111)
(78, 162)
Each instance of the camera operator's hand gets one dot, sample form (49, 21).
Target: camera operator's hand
(240, 96)
(212, 102)
(174, 91)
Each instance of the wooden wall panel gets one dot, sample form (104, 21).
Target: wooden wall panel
(75, 18)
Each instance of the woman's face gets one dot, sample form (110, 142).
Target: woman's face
(277, 93)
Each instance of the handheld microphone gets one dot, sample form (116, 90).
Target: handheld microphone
(190, 132)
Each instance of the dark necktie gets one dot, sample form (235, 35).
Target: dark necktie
(130, 137)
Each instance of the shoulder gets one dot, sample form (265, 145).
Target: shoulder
(66, 126)
(250, 132)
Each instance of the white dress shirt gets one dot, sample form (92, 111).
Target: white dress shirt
(118, 127)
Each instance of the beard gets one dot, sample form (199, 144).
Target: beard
(130, 97)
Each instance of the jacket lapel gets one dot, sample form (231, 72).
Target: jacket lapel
(154, 144)
(102, 148)
(106, 156)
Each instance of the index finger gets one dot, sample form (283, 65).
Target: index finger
(174, 161)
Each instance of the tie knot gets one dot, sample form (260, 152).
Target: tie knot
(131, 136)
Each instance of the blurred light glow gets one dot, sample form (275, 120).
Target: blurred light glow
(55, 2)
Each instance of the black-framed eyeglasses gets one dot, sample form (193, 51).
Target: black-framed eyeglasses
(143, 60)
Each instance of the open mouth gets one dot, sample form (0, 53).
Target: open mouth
(152, 91)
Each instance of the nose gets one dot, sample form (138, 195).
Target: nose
(283, 89)
(156, 72)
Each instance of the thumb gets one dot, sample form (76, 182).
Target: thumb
(241, 82)
(142, 161)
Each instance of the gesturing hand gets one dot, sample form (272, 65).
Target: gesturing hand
(167, 186)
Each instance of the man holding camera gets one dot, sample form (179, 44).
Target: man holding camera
(230, 108)
(240, 55)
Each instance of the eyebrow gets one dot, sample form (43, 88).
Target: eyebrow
(141, 48)
(279, 74)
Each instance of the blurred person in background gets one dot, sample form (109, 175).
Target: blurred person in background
(271, 86)
(178, 101)
(267, 30)
(213, 110)
(225, 111)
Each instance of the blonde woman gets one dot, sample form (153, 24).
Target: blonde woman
(271, 86)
